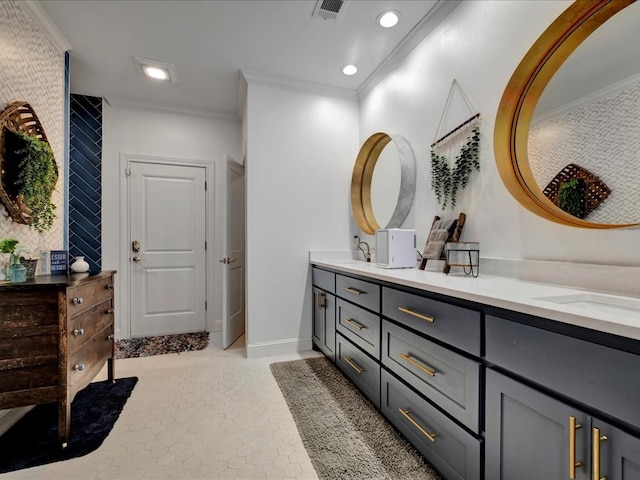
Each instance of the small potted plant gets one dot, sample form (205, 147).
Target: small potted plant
(16, 272)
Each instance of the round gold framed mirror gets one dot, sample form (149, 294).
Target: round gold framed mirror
(522, 95)
(361, 182)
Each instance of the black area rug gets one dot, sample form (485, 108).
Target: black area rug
(34, 439)
(345, 436)
(147, 346)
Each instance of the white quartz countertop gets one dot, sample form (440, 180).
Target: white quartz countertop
(613, 314)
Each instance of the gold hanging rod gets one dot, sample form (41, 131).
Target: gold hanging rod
(477, 115)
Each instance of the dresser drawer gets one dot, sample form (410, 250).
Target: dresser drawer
(446, 445)
(85, 364)
(363, 293)
(602, 376)
(457, 326)
(448, 379)
(83, 327)
(359, 368)
(359, 326)
(83, 297)
(323, 280)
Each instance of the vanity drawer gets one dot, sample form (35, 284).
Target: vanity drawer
(323, 280)
(457, 326)
(359, 326)
(603, 377)
(82, 298)
(85, 326)
(363, 293)
(448, 379)
(359, 368)
(453, 451)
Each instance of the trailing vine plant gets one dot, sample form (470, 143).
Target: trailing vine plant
(447, 180)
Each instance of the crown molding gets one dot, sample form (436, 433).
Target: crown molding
(430, 21)
(299, 85)
(608, 91)
(35, 11)
(136, 104)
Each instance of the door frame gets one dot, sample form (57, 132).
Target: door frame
(123, 307)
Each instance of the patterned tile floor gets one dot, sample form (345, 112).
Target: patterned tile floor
(205, 414)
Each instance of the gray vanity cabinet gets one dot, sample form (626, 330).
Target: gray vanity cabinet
(324, 311)
(530, 435)
(324, 322)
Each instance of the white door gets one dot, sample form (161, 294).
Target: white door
(233, 255)
(167, 249)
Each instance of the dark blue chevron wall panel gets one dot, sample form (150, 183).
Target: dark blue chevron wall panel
(85, 180)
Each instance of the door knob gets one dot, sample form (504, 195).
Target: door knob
(135, 246)
(137, 259)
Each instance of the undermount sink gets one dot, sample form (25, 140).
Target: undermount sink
(598, 302)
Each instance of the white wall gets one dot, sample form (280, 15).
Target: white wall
(141, 132)
(300, 153)
(480, 44)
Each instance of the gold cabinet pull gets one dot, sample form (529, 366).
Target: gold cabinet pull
(407, 414)
(354, 290)
(597, 438)
(421, 316)
(573, 426)
(353, 365)
(354, 324)
(408, 358)
(319, 299)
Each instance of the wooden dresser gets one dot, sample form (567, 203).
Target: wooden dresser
(56, 333)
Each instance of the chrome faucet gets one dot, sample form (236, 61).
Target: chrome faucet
(367, 254)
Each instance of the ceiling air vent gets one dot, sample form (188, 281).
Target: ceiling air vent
(328, 9)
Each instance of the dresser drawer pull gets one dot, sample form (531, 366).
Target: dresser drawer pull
(416, 314)
(406, 414)
(110, 311)
(110, 286)
(573, 426)
(79, 367)
(408, 358)
(353, 365)
(597, 438)
(354, 290)
(78, 331)
(354, 324)
(111, 336)
(77, 300)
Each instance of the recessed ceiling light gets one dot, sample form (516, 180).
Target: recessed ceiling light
(155, 70)
(388, 19)
(349, 69)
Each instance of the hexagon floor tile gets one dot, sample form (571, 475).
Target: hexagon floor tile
(207, 414)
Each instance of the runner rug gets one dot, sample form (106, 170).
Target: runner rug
(343, 433)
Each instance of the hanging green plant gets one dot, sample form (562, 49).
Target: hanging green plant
(571, 197)
(34, 177)
(446, 180)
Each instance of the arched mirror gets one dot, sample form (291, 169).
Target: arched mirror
(569, 119)
(383, 184)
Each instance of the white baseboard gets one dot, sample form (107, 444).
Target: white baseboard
(217, 326)
(10, 417)
(280, 347)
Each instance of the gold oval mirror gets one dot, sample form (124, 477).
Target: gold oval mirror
(525, 92)
(362, 179)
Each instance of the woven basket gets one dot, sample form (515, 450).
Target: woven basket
(17, 116)
(596, 191)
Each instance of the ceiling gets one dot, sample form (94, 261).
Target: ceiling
(210, 42)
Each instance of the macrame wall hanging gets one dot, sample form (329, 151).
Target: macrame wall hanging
(456, 154)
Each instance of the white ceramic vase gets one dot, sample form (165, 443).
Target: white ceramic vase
(79, 265)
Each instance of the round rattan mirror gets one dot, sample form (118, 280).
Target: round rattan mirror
(523, 92)
(361, 180)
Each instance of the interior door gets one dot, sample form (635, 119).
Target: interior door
(167, 250)
(233, 310)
